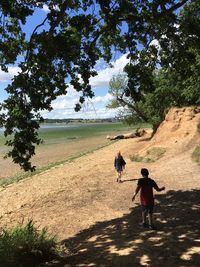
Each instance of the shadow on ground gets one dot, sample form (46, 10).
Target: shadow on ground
(128, 180)
(122, 242)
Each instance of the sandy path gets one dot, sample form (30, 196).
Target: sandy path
(94, 216)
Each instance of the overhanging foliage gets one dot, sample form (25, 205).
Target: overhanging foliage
(65, 46)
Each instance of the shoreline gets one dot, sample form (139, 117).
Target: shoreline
(7, 181)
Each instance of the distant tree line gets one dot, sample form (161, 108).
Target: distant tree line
(80, 120)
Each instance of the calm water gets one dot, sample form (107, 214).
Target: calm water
(58, 126)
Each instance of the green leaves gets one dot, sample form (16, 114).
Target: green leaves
(65, 46)
(25, 245)
(22, 126)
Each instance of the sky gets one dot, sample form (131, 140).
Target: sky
(63, 106)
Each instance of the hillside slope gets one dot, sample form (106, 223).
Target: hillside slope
(81, 202)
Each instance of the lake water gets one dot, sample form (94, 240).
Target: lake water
(58, 126)
(53, 126)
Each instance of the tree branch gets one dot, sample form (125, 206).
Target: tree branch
(31, 39)
(59, 18)
(133, 107)
(176, 6)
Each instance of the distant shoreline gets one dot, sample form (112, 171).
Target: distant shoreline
(63, 124)
(82, 121)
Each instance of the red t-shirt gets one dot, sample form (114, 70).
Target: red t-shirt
(146, 191)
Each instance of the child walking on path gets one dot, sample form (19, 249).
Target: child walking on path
(119, 164)
(145, 186)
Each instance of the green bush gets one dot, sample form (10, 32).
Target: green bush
(25, 246)
(196, 154)
(152, 155)
(138, 158)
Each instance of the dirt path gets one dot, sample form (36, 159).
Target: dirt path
(95, 218)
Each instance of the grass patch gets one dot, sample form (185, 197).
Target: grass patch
(7, 181)
(152, 155)
(77, 132)
(196, 154)
(66, 136)
(25, 245)
(71, 133)
(138, 158)
(198, 127)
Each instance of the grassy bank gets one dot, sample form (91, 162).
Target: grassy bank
(84, 131)
(59, 133)
(23, 175)
(62, 144)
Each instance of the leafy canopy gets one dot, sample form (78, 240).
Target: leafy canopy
(68, 42)
(173, 81)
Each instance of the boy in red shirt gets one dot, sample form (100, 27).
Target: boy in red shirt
(145, 186)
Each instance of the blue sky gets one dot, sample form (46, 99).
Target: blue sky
(63, 106)
(95, 107)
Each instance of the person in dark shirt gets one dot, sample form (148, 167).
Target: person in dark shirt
(145, 186)
(119, 164)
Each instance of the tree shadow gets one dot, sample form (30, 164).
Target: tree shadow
(128, 180)
(122, 242)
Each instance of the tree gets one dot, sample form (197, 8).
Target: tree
(65, 46)
(170, 89)
(128, 110)
(173, 82)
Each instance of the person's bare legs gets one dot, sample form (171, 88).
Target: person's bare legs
(119, 176)
(150, 218)
(144, 216)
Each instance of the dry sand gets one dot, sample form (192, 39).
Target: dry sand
(95, 217)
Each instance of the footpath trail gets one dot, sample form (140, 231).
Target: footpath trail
(94, 216)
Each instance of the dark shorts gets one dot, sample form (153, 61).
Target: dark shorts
(148, 209)
(119, 168)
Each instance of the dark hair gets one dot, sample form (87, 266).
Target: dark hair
(118, 153)
(144, 172)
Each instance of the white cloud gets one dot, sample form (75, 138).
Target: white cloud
(102, 99)
(46, 9)
(7, 76)
(86, 113)
(67, 101)
(155, 43)
(105, 75)
(63, 106)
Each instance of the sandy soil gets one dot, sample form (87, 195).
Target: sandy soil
(94, 216)
(50, 154)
